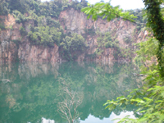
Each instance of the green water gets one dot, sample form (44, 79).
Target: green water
(63, 93)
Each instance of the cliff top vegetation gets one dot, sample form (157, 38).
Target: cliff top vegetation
(46, 29)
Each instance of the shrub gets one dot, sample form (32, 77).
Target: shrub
(22, 31)
(127, 39)
(2, 26)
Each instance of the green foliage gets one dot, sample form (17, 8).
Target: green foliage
(19, 17)
(90, 31)
(123, 53)
(107, 41)
(107, 11)
(104, 41)
(51, 8)
(149, 102)
(8, 6)
(78, 5)
(155, 22)
(44, 90)
(127, 39)
(46, 30)
(147, 50)
(45, 35)
(19, 5)
(149, 98)
(72, 46)
(141, 18)
(22, 31)
(2, 27)
(3, 7)
(51, 22)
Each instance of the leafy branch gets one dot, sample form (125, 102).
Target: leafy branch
(105, 10)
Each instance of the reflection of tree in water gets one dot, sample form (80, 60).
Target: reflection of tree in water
(71, 101)
(35, 92)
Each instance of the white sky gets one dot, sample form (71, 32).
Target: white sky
(124, 4)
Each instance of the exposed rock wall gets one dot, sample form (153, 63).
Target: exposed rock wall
(27, 52)
(23, 50)
(77, 22)
(72, 21)
(8, 49)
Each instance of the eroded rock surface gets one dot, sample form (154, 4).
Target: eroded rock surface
(72, 21)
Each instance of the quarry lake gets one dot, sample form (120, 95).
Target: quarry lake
(64, 93)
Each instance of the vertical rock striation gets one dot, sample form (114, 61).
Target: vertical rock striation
(14, 47)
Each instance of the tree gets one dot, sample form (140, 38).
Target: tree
(156, 22)
(106, 11)
(150, 97)
(72, 46)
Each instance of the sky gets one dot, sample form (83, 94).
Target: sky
(124, 4)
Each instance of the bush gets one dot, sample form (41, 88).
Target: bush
(22, 31)
(127, 39)
(2, 27)
(72, 46)
(19, 17)
(90, 31)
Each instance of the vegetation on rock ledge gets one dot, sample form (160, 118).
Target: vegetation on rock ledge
(41, 25)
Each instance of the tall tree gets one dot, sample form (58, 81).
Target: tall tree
(156, 22)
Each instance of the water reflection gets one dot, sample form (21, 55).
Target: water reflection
(71, 101)
(62, 93)
(44, 120)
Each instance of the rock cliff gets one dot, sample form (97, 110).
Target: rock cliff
(14, 46)
(77, 22)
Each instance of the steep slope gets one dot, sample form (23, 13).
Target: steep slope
(122, 31)
(80, 39)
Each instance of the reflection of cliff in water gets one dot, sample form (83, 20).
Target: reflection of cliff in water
(31, 91)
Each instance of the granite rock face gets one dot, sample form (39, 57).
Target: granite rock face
(23, 50)
(72, 21)
(77, 22)
(8, 49)
(27, 52)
